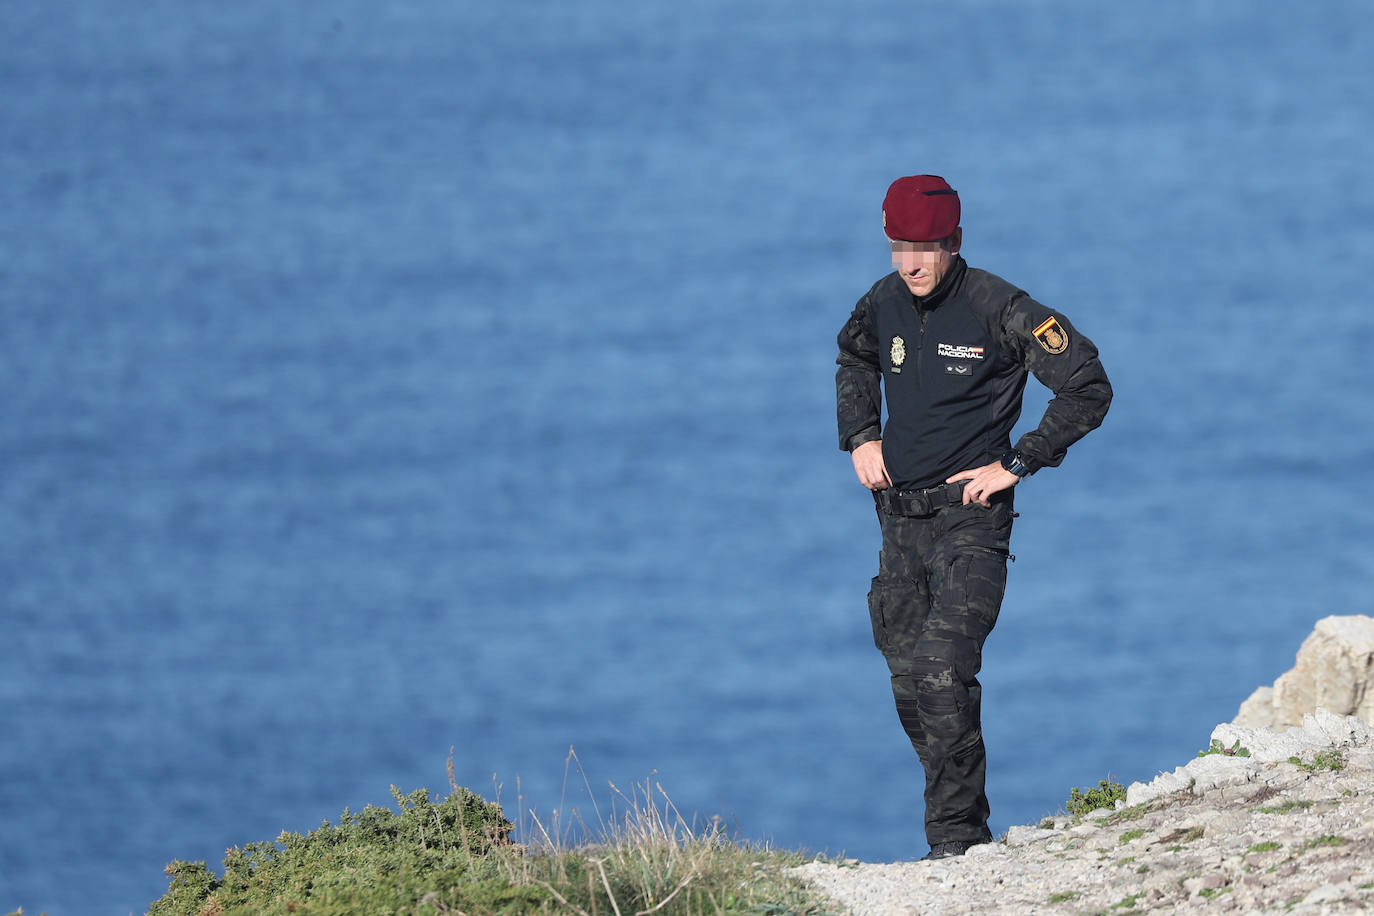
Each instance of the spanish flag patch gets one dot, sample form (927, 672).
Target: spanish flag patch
(1052, 335)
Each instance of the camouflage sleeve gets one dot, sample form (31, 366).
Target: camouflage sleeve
(858, 381)
(1066, 363)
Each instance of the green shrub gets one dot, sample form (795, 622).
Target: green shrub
(374, 861)
(1104, 796)
(455, 856)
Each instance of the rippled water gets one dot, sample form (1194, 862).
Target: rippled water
(388, 378)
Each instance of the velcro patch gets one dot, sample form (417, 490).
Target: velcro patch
(958, 352)
(1052, 335)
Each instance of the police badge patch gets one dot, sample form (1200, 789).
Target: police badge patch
(1052, 335)
(898, 353)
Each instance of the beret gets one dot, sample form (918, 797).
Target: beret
(920, 208)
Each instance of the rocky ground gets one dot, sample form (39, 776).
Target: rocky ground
(1225, 833)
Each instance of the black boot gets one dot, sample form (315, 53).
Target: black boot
(946, 851)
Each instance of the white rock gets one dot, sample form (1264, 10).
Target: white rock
(1334, 670)
(1340, 729)
(1331, 893)
(1025, 835)
(1138, 793)
(1219, 771)
(1360, 758)
(1258, 709)
(1267, 746)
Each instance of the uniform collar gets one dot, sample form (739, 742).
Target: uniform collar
(940, 293)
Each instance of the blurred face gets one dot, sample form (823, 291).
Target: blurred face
(924, 264)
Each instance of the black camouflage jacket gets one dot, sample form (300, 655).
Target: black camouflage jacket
(953, 368)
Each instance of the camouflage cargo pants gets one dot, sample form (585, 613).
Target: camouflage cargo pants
(935, 599)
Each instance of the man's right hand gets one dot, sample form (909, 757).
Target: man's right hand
(868, 464)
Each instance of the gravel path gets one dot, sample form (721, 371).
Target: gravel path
(1242, 834)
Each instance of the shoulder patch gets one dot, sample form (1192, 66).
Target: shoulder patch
(1052, 335)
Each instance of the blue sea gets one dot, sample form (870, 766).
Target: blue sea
(395, 381)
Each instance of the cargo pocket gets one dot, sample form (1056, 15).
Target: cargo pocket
(878, 602)
(978, 576)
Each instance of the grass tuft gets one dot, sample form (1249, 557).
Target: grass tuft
(1286, 807)
(1318, 842)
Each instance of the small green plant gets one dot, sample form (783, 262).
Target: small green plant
(1324, 760)
(1125, 814)
(1130, 835)
(1286, 807)
(1318, 842)
(1064, 896)
(1105, 795)
(1127, 903)
(1186, 835)
(1135, 812)
(1210, 892)
(1266, 846)
(1329, 760)
(1217, 747)
(1142, 869)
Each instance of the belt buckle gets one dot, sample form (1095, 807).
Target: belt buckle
(919, 501)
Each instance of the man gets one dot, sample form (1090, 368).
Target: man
(950, 346)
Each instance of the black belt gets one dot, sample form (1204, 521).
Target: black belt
(920, 503)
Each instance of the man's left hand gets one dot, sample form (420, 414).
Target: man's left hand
(984, 481)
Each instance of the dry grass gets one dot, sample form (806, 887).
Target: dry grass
(643, 856)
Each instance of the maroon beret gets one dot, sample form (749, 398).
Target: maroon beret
(920, 208)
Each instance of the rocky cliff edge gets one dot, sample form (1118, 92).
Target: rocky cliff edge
(1273, 820)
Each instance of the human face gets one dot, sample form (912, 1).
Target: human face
(924, 264)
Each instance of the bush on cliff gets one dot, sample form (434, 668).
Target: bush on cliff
(376, 861)
(455, 856)
(1104, 796)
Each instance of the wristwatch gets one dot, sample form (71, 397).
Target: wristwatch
(1012, 461)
